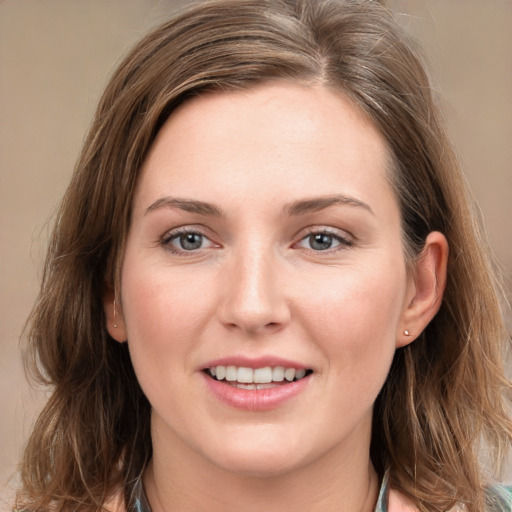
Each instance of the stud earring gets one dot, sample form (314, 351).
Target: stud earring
(407, 333)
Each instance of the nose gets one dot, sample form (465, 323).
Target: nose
(253, 300)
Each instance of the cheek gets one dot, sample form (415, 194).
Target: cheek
(163, 312)
(354, 321)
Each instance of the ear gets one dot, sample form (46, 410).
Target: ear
(114, 316)
(425, 290)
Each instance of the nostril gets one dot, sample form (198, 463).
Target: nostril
(253, 301)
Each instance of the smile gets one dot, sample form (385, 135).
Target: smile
(262, 387)
(256, 378)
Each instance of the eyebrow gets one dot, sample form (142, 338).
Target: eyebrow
(316, 204)
(296, 208)
(188, 205)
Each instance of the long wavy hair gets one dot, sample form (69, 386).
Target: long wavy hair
(445, 393)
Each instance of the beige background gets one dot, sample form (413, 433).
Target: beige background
(55, 56)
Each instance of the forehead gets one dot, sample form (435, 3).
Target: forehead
(276, 136)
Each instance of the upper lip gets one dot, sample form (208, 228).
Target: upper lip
(255, 362)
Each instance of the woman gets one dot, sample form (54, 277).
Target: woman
(265, 285)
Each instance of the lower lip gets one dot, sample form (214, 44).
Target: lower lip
(255, 399)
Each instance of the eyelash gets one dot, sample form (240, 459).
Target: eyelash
(168, 237)
(343, 241)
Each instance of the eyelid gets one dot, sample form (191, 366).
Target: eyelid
(170, 234)
(346, 239)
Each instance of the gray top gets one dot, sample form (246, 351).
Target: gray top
(499, 498)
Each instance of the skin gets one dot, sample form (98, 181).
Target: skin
(257, 285)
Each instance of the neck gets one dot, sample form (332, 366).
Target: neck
(180, 484)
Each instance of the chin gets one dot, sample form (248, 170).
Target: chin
(259, 460)
(260, 467)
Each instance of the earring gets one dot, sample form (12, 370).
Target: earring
(115, 325)
(407, 333)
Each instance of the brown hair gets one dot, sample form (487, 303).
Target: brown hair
(444, 393)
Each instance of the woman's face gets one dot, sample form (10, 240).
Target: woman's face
(265, 245)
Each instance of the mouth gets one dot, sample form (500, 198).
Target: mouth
(256, 378)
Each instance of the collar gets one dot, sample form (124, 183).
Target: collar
(141, 503)
(499, 499)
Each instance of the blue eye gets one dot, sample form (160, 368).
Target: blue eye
(189, 241)
(323, 241)
(185, 241)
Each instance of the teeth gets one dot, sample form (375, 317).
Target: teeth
(289, 374)
(231, 373)
(254, 386)
(248, 378)
(245, 375)
(299, 374)
(263, 375)
(278, 374)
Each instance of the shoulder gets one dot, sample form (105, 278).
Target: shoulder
(499, 498)
(115, 503)
(397, 502)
